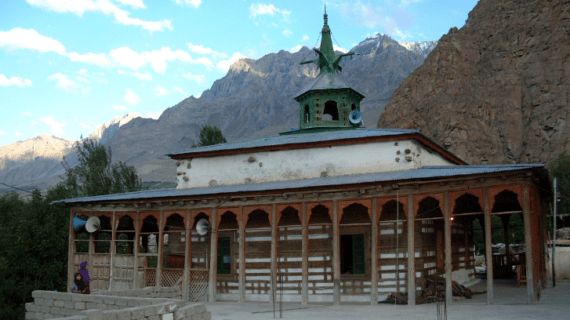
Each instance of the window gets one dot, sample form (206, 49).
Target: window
(352, 254)
(307, 115)
(331, 111)
(224, 256)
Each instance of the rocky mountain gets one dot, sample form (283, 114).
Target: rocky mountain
(254, 99)
(498, 89)
(422, 48)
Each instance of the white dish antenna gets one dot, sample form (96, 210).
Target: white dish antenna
(355, 117)
(93, 224)
(203, 226)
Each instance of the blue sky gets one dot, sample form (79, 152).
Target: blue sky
(68, 66)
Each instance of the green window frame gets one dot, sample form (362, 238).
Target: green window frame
(224, 256)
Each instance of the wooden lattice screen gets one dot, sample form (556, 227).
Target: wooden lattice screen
(171, 277)
(198, 284)
(149, 277)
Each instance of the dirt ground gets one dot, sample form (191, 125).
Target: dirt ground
(510, 304)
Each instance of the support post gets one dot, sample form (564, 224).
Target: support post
(274, 239)
(160, 243)
(213, 256)
(336, 255)
(136, 249)
(187, 258)
(488, 245)
(90, 258)
(374, 255)
(448, 262)
(113, 248)
(528, 246)
(242, 257)
(554, 233)
(305, 256)
(70, 251)
(411, 253)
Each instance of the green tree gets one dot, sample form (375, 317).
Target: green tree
(210, 135)
(560, 169)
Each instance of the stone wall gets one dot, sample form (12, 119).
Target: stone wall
(58, 305)
(148, 292)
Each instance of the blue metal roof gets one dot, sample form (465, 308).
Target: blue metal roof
(299, 138)
(422, 173)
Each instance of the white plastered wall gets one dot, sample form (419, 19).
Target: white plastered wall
(297, 164)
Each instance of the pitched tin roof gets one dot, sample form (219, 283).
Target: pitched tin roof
(326, 81)
(429, 172)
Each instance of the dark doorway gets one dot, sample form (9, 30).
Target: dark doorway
(352, 254)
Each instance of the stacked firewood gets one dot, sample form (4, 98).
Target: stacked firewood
(434, 291)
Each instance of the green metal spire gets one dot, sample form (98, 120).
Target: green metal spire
(327, 62)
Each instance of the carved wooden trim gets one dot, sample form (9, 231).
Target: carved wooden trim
(312, 205)
(221, 211)
(419, 197)
(345, 203)
(144, 215)
(282, 207)
(249, 209)
(383, 201)
(494, 191)
(454, 195)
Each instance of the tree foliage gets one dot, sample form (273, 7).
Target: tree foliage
(34, 231)
(560, 169)
(210, 135)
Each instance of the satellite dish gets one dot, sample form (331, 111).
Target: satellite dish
(355, 117)
(78, 223)
(93, 224)
(203, 226)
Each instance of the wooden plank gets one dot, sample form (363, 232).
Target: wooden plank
(374, 254)
(448, 262)
(136, 251)
(274, 237)
(113, 246)
(336, 255)
(213, 256)
(70, 251)
(188, 259)
(411, 252)
(488, 245)
(528, 245)
(241, 223)
(160, 243)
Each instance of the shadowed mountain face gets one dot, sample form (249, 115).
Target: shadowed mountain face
(498, 89)
(254, 99)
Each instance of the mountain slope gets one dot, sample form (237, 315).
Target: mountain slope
(496, 90)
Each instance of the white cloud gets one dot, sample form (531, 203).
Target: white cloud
(55, 127)
(14, 81)
(201, 79)
(401, 35)
(30, 39)
(305, 38)
(135, 4)
(406, 3)
(78, 7)
(203, 50)
(91, 58)
(81, 79)
(180, 90)
(194, 3)
(160, 91)
(341, 49)
(266, 9)
(2, 133)
(287, 32)
(82, 71)
(158, 59)
(131, 97)
(138, 75)
(224, 65)
(296, 48)
(34, 122)
(84, 125)
(119, 108)
(154, 115)
(63, 82)
(26, 113)
(125, 56)
(394, 19)
(17, 134)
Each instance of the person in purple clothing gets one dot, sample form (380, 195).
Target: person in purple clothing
(83, 271)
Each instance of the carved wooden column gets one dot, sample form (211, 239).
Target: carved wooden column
(90, 251)
(187, 257)
(448, 262)
(374, 255)
(411, 252)
(336, 255)
(305, 256)
(112, 248)
(160, 243)
(488, 245)
(528, 245)
(242, 257)
(136, 245)
(70, 251)
(213, 256)
(274, 239)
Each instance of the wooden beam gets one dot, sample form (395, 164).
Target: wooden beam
(212, 285)
(113, 246)
(528, 246)
(336, 255)
(448, 262)
(136, 251)
(488, 245)
(411, 253)
(71, 251)
(241, 257)
(187, 257)
(374, 255)
(90, 255)
(160, 243)
(305, 256)
(274, 239)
